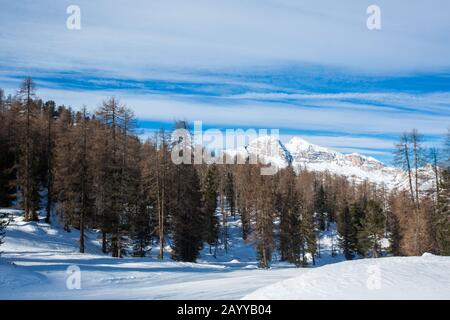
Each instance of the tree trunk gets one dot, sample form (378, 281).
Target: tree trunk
(82, 232)
(49, 166)
(408, 165)
(26, 190)
(224, 221)
(104, 242)
(416, 172)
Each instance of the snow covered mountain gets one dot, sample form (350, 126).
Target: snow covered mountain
(304, 155)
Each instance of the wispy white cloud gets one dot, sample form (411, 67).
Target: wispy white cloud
(167, 108)
(139, 36)
(391, 101)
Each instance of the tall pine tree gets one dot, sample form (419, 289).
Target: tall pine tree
(210, 194)
(372, 231)
(28, 159)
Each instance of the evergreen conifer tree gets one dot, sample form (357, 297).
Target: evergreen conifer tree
(372, 230)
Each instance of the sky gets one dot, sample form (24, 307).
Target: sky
(308, 68)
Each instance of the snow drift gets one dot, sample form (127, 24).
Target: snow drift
(426, 277)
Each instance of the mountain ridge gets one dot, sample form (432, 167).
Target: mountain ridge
(303, 155)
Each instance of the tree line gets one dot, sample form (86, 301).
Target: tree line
(93, 172)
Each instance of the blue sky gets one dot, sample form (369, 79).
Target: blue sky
(308, 68)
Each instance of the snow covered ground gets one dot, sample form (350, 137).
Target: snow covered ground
(426, 277)
(36, 256)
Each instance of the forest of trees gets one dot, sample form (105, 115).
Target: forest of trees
(91, 171)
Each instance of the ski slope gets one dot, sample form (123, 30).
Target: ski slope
(36, 256)
(426, 277)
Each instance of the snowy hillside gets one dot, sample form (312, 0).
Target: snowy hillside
(304, 155)
(426, 277)
(36, 256)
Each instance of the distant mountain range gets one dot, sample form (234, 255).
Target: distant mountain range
(304, 155)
